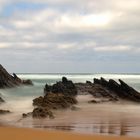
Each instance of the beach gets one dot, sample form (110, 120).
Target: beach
(9, 133)
(108, 118)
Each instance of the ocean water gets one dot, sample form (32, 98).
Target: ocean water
(120, 118)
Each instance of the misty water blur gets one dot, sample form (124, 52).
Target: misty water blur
(120, 118)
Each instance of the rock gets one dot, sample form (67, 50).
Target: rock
(66, 87)
(97, 90)
(55, 101)
(38, 101)
(27, 82)
(47, 89)
(58, 96)
(89, 82)
(64, 80)
(4, 112)
(96, 81)
(74, 108)
(1, 100)
(17, 78)
(121, 90)
(83, 88)
(8, 81)
(42, 112)
(94, 101)
(25, 115)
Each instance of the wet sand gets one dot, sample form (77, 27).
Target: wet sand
(117, 119)
(8, 133)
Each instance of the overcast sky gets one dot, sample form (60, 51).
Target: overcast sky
(70, 36)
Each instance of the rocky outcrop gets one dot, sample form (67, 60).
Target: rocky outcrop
(110, 90)
(2, 112)
(27, 82)
(7, 80)
(84, 88)
(121, 90)
(58, 96)
(55, 101)
(1, 100)
(65, 87)
(52, 101)
(42, 112)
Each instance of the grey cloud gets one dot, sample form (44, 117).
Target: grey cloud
(43, 38)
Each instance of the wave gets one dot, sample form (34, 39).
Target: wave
(79, 76)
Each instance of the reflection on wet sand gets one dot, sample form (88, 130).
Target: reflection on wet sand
(121, 128)
(108, 119)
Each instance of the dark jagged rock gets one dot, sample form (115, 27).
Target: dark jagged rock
(98, 91)
(47, 89)
(7, 80)
(83, 88)
(89, 82)
(104, 82)
(17, 78)
(96, 81)
(25, 115)
(4, 112)
(109, 89)
(94, 101)
(66, 87)
(42, 112)
(121, 90)
(27, 82)
(55, 101)
(1, 100)
(58, 96)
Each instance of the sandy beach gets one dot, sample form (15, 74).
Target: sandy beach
(8, 133)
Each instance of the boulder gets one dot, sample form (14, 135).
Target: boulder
(25, 115)
(94, 101)
(4, 112)
(27, 82)
(42, 112)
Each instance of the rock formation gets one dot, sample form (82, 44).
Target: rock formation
(1, 100)
(7, 80)
(58, 96)
(121, 90)
(65, 87)
(110, 90)
(2, 112)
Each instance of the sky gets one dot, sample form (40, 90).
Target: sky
(70, 36)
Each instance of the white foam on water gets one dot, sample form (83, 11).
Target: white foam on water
(79, 76)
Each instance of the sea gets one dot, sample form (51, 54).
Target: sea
(121, 118)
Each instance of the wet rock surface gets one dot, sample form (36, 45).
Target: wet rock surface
(121, 89)
(111, 90)
(58, 96)
(7, 80)
(65, 87)
(2, 112)
(1, 100)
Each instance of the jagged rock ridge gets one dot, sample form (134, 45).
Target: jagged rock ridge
(7, 80)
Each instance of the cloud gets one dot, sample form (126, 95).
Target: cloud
(67, 31)
(113, 49)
